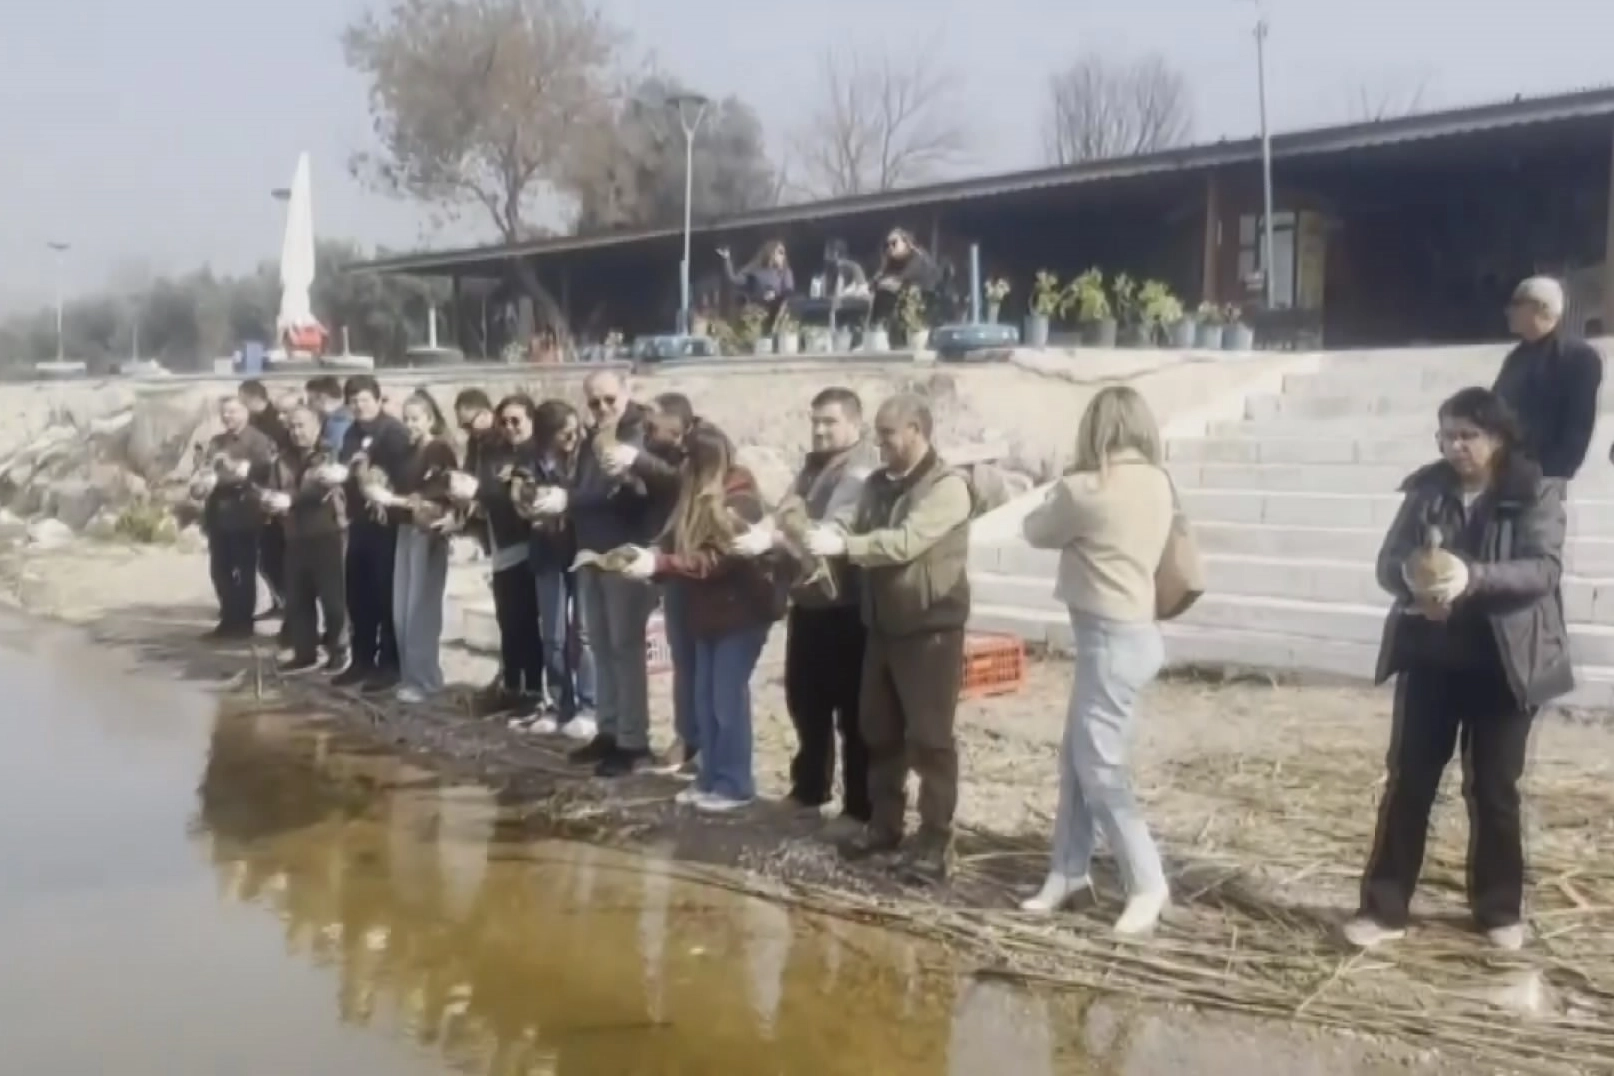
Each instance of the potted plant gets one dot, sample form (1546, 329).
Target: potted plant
(1127, 306)
(911, 316)
(1208, 336)
(786, 333)
(613, 344)
(753, 320)
(1158, 310)
(817, 340)
(996, 290)
(1236, 335)
(1047, 301)
(841, 340)
(1092, 305)
(723, 333)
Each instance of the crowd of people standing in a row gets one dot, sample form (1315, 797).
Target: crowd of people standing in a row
(591, 520)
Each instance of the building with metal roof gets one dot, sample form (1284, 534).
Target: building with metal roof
(1530, 177)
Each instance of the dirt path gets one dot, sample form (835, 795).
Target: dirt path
(1262, 796)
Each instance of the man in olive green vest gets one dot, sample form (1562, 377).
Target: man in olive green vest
(910, 537)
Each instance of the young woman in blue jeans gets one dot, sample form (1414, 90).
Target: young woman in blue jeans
(730, 602)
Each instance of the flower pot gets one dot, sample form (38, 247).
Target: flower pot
(787, 343)
(1036, 330)
(841, 342)
(1099, 333)
(763, 346)
(1136, 336)
(1208, 337)
(918, 339)
(992, 312)
(1182, 334)
(876, 340)
(1237, 337)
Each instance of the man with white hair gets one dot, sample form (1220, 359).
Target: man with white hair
(1550, 380)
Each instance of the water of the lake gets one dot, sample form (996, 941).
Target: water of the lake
(187, 892)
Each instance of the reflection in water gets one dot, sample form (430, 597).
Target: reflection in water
(509, 958)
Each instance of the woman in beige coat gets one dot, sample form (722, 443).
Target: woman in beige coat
(1109, 518)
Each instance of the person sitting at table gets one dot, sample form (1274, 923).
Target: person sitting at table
(765, 279)
(843, 277)
(905, 264)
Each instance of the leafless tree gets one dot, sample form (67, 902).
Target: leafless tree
(478, 104)
(1098, 109)
(880, 123)
(1388, 99)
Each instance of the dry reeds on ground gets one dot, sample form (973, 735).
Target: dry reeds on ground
(1266, 851)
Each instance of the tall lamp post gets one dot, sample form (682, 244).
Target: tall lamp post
(691, 109)
(60, 249)
(1267, 281)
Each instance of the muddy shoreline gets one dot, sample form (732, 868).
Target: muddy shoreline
(1231, 776)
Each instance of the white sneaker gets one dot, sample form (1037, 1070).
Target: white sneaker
(1142, 914)
(1509, 939)
(544, 726)
(713, 803)
(411, 696)
(1055, 893)
(582, 728)
(689, 797)
(1365, 932)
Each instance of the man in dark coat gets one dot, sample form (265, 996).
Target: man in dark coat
(237, 460)
(377, 440)
(1550, 380)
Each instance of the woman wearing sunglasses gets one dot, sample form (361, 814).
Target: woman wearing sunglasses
(515, 593)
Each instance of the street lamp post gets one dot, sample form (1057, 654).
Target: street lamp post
(60, 249)
(688, 105)
(1266, 160)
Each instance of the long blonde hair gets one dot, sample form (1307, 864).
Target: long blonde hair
(1116, 419)
(701, 519)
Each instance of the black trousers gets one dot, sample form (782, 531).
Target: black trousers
(823, 678)
(372, 550)
(1436, 711)
(521, 644)
(316, 587)
(233, 563)
(272, 560)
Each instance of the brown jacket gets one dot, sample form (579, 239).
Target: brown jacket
(724, 592)
(911, 538)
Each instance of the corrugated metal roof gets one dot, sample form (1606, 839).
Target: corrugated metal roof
(1320, 141)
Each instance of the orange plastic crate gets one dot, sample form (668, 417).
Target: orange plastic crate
(993, 665)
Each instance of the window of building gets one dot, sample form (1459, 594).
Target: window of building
(1283, 255)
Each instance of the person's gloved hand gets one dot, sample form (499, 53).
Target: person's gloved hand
(825, 542)
(755, 541)
(642, 566)
(618, 458)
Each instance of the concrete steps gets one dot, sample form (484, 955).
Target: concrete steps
(1593, 484)
(1290, 505)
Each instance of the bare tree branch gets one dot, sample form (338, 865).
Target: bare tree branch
(478, 104)
(1099, 109)
(1386, 100)
(880, 124)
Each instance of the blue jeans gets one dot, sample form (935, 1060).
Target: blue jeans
(681, 646)
(723, 667)
(1115, 661)
(567, 658)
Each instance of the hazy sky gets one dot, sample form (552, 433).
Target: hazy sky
(149, 134)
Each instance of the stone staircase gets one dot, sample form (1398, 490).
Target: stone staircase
(1290, 503)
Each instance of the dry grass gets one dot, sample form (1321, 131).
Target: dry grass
(1261, 846)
